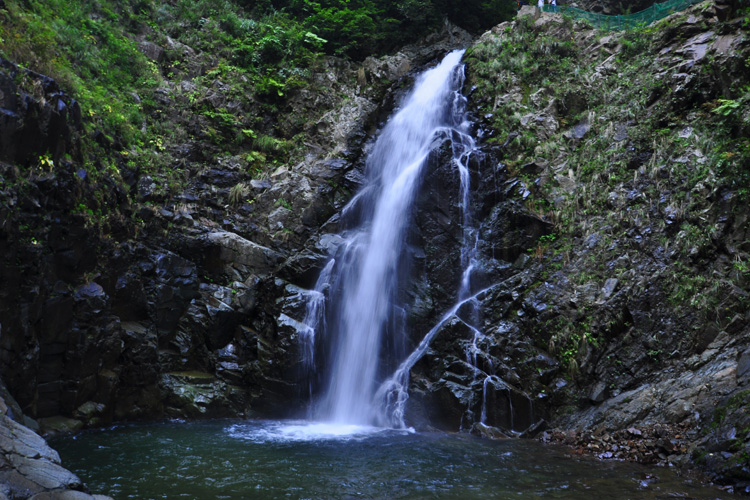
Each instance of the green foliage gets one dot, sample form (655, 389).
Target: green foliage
(283, 203)
(478, 15)
(238, 193)
(350, 27)
(84, 47)
(742, 267)
(46, 163)
(733, 154)
(223, 118)
(569, 339)
(634, 43)
(726, 107)
(359, 28)
(744, 12)
(268, 144)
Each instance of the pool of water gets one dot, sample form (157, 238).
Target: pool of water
(271, 459)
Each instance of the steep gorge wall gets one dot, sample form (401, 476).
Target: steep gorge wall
(637, 294)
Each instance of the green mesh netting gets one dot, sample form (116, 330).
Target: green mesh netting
(642, 18)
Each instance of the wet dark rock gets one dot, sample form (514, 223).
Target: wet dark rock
(507, 408)
(580, 129)
(59, 425)
(236, 256)
(31, 127)
(260, 184)
(196, 394)
(599, 392)
(743, 365)
(489, 432)
(147, 188)
(608, 289)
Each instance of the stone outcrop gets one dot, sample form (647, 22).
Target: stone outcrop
(29, 468)
(639, 313)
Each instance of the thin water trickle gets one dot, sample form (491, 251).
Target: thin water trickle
(483, 417)
(315, 315)
(393, 392)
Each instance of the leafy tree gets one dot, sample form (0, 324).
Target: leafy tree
(479, 15)
(358, 28)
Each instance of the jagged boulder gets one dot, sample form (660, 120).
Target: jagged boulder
(239, 257)
(29, 468)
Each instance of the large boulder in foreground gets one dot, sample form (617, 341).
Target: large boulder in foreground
(29, 468)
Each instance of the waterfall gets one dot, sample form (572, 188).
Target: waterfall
(361, 285)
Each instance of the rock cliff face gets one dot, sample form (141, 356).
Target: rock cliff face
(474, 374)
(637, 292)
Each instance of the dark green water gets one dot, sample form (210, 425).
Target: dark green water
(255, 459)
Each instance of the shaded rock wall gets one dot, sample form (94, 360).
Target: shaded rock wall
(39, 119)
(614, 144)
(133, 311)
(466, 376)
(121, 300)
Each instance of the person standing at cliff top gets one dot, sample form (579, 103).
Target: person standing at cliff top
(540, 4)
(553, 3)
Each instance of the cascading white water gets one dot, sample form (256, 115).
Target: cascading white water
(393, 392)
(366, 275)
(315, 315)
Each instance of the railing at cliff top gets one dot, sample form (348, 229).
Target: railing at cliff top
(627, 21)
